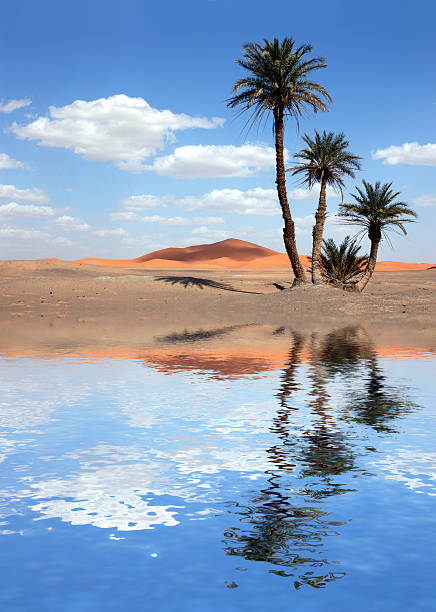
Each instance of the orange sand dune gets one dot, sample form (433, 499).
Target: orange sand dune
(231, 248)
(231, 254)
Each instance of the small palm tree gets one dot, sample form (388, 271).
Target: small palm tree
(341, 264)
(326, 161)
(375, 211)
(279, 84)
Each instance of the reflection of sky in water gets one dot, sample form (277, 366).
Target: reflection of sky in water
(254, 473)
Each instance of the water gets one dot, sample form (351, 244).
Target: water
(202, 473)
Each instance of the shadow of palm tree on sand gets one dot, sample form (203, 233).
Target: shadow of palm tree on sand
(201, 283)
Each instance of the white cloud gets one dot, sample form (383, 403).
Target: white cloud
(212, 234)
(214, 161)
(21, 234)
(8, 162)
(71, 224)
(143, 202)
(179, 221)
(10, 192)
(310, 195)
(110, 232)
(14, 210)
(256, 201)
(116, 129)
(208, 220)
(428, 199)
(303, 225)
(124, 216)
(12, 105)
(411, 153)
(163, 220)
(62, 241)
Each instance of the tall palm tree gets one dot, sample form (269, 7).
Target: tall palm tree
(375, 211)
(326, 161)
(278, 84)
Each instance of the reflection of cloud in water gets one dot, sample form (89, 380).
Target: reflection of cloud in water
(109, 493)
(32, 390)
(411, 466)
(118, 487)
(8, 446)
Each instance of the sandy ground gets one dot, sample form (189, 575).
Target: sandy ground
(52, 306)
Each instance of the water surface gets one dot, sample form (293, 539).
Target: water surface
(204, 473)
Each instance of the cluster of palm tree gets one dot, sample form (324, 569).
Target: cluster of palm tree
(279, 84)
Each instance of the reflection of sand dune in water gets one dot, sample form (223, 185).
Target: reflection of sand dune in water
(230, 253)
(223, 364)
(227, 352)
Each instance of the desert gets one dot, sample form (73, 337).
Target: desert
(110, 304)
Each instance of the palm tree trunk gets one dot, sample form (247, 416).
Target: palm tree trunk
(360, 286)
(317, 233)
(289, 227)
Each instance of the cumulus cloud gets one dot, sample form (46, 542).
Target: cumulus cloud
(71, 224)
(213, 234)
(303, 225)
(62, 241)
(12, 105)
(215, 161)
(163, 220)
(14, 210)
(7, 162)
(124, 216)
(143, 202)
(15, 233)
(310, 195)
(10, 192)
(208, 220)
(411, 153)
(428, 199)
(104, 233)
(256, 201)
(116, 129)
(179, 221)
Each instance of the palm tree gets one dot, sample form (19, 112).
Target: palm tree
(326, 161)
(375, 211)
(341, 264)
(278, 84)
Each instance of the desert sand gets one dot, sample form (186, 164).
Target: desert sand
(111, 308)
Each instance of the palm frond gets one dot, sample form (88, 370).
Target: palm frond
(326, 157)
(277, 78)
(342, 264)
(375, 211)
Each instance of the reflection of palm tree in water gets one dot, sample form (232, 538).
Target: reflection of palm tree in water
(377, 403)
(279, 530)
(324, 451)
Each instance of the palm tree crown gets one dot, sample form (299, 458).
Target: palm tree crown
(326, 159)
(279, 80)
(375, 211)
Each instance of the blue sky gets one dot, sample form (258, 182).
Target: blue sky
(116, 139)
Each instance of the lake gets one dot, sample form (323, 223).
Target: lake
(240, 468)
